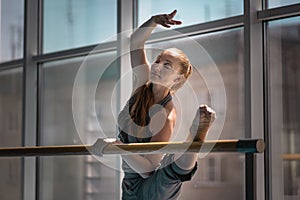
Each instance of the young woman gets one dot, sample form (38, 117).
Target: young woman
(150, 116)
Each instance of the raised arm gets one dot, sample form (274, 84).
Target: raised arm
(139, 62)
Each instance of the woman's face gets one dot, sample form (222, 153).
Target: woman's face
(166, 69)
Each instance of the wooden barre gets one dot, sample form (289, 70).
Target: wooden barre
(242, 146)
(290, 157)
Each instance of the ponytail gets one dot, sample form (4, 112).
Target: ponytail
(144, 99)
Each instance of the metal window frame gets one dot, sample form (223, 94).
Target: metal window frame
(30, 78)
(212, 26)
(273, 102)
(273, 167)
(198, 29)
(279, 13)
(72, 53)
(125, 13)
(253, 74)
(11, 64)
(33, 57)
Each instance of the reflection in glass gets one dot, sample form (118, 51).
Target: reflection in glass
(76, 177)
(285, 68)
(191, 11)
(71, 24)
(215, 178)
(11, 29)
(11, 132)
(278, 3)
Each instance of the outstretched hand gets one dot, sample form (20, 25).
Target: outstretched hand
(166, 19)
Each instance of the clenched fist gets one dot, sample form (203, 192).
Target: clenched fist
(204, 117)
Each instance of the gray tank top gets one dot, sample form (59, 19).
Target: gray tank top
(124, 123)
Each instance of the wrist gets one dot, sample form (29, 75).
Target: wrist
(153, 19)
(198, 133)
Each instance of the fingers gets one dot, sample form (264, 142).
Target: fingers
(175, 22)
(202, 122)
(171, 22)
(101, 143)
(117, 142)
(172, 14)
(165, 25)
(207, 112)
(167, 19)
(206, 108)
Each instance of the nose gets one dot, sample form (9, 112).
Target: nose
(156, 67)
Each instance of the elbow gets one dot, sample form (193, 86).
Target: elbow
(132, 45)
(132, 38)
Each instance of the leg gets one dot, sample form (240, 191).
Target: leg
(201, 123)
(165, 183)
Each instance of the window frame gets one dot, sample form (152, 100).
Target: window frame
(254, 20)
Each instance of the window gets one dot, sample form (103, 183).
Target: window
(11, 29)
(190, 11)
(11, 132)
(70, 24)
(215, 55)
(70, 27)
(278, 3)
(284, 83)
(80, 177)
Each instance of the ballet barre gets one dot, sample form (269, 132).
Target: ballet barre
(241, 146)
(249, 147)
(291, 157)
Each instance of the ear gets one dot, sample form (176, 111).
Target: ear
(178, 79)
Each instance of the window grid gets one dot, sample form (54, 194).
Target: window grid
(264, 15)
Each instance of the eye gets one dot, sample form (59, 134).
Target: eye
(157, 60)
(167, 65)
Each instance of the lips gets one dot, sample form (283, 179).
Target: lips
(155, 74)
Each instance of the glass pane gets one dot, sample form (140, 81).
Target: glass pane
(11, 29)
(217, 80)
(284, 67)
(278, 3)
(77, 177)
(191, 11)
(70, 24)
(11, 132)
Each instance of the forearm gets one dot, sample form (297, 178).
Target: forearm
(140, 36)
(198, 130)
(141, 164)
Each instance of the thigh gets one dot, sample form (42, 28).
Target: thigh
(163, 184)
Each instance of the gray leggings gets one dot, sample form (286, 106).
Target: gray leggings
(165, 183)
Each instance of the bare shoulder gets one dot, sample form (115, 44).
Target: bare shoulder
(164, 132)
(171, 111)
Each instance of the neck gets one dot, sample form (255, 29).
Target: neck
(159, 92)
